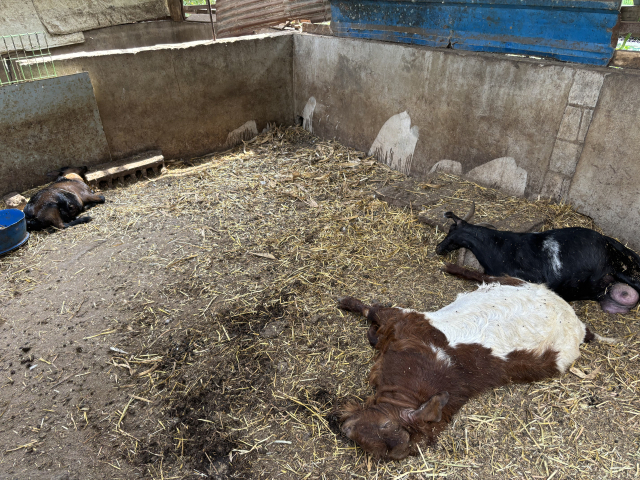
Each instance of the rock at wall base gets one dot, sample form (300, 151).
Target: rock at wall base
(14, 200)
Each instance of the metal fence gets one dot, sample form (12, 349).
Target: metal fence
(25, 57)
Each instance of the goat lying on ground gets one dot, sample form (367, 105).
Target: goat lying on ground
(430, 364)
(58, 204)
(576, 263)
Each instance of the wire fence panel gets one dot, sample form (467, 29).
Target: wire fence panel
(28, 58)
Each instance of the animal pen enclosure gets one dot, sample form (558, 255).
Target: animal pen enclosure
(191, 330)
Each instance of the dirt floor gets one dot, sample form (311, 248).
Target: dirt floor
(191, 331)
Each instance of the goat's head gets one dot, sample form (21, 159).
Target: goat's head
(449, 243)
(386, 431)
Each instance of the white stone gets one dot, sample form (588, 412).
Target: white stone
(570, 124)
(565, 157)
(14, 200)
(586, 88)
(587, 115)
(447, 166)
(502, 173)
(396, 143)
(556, 186)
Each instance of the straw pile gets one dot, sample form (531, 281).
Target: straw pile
(240, 356)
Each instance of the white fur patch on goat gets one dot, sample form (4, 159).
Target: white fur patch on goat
(442, 356)
(552, 247)
(505, 318)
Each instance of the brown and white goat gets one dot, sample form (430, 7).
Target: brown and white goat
(430, 364)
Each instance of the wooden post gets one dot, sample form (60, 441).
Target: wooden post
(213, 28)
(175, 10)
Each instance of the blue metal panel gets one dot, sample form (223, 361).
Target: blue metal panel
(571, 30)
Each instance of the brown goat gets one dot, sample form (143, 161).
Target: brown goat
(428, 365)
(58, 204)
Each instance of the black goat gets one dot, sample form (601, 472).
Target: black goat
(576, 263)
(58, 204)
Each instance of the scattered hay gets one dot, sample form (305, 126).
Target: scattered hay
(236, 362)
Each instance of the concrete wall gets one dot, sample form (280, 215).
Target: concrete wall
(606, 183)
(568, 131)
(45, 125)
(135, 35)
(186, 99)
(530, 127)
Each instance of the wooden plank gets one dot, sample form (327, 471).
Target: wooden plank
(630, 14)
(626, 59)
(108, 172)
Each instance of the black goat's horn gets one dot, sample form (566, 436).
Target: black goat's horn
(469, 215)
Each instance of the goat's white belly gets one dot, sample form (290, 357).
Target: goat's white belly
(505, 318)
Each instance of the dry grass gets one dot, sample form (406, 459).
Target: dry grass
(240, 355)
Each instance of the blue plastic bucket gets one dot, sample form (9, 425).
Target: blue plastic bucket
(13, 230)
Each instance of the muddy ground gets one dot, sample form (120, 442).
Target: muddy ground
(190, 331)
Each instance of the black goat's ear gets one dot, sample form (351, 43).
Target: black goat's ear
(431, 410)
(454, 217)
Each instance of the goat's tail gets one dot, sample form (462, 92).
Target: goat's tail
(590, 336)
(467, 274)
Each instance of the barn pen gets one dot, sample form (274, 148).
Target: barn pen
(192, 330)
(193, 327)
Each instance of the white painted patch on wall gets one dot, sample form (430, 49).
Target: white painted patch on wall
(245, 132)
(447, 166)
(552, 247)
(396, 143)
(307, 114)
(502, 173)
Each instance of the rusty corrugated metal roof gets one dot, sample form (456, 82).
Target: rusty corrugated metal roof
(242, 17)
(314, 10)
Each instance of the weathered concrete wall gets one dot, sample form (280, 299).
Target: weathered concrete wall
(465, 107)
(606, 184)
(145, 34)
(45, 125)
(530, 127)
(186, 99)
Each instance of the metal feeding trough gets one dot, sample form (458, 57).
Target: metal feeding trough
(13, 230)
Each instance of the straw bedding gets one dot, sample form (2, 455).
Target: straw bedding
(234, 355)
